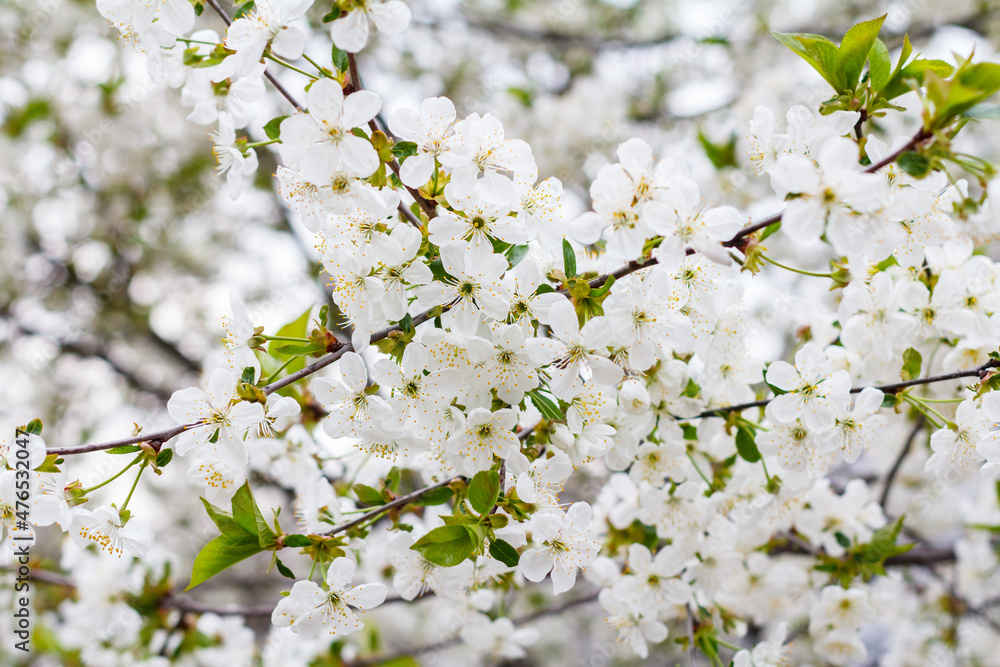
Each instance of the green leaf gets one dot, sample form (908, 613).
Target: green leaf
(249, 375)
(484, 489)
(515, 254)
(392, 479)
(569, 259)
(403, 149)
(34, 427)
(224, 522)
(721, 155)
(446, 546)
(916, 70)
(879, 65)
(123, 449)
(243, 10)
(296, 541)
(283, 569)
(770, 229)
(915, 164)
(247, 514)
(300, 349)
(818, 51)
(219, 554)
(164, 457)
(437, 496)
(50, 464)
(549, 409)
(294, 329)
(504, 552)
(368, 495)
(854, 49)
(912, 361)
(497, 521)
(273, 127)
(339, 58)
(746, 444)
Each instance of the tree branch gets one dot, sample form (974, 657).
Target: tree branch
(429, 207)
(737, 239)
(885, 388)
(891, 477)
(382, 509)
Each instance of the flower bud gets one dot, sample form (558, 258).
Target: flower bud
(561, 437)
(633, 397)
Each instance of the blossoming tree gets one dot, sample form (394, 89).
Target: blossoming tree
(511, 408)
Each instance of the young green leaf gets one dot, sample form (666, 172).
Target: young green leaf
(247, 514)
(294, 329)
(855, 47)
(879, 65)
(224, 522)
(435, 497)
(368, 495)
(746, 444)
(296, 541)
(219, 554)
(569, 259)
(446, 546)
(164, 457)
(283, 569)
(484, 491)
(549, 409)
(339, 58)
(273, 127)
(912, 361)
(504, 553)
(123, 449)
(818, 51)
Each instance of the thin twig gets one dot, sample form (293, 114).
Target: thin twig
(891, 477)
(885, 388)
(382, 509)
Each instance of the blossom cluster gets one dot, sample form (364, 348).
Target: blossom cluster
(571, 398)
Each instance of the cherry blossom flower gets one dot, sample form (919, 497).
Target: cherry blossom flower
(220, 415)
(350, 32)
(811, 392)
(830, 191)
(266, 26)
(235, 162)
(104, 527)
(432, 130)
(240, 332)
(325, 131)
(476, 287)
(313, 610)
(564, 546)
(348, 402)
(486, 434)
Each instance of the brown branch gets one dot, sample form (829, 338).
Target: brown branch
(885, 388)
(160, 437)
(382, 509)
(907, 446)
(428, 207)
(737, 239)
